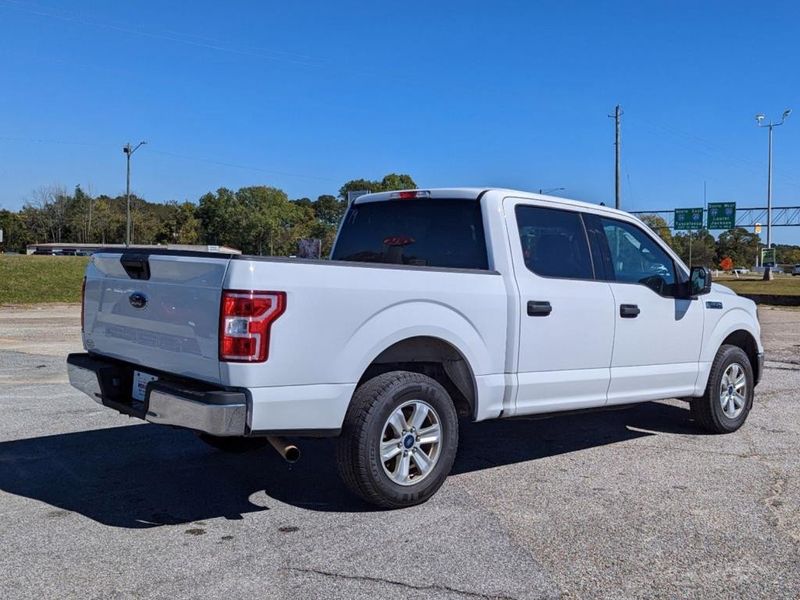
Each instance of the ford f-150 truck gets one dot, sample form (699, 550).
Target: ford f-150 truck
(435, 305)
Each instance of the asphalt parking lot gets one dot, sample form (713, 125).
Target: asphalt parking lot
(633, 503)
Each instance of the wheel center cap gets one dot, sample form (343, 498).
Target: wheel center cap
(730, 390)
(408, 441)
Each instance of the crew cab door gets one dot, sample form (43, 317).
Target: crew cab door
(566, 323)
(658, 333)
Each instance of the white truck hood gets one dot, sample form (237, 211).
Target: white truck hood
(721, 289)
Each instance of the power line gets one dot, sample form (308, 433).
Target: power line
(711, 149)
(173, 155)
(245, 167)
(176, 37)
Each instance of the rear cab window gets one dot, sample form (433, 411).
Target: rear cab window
(431, 232)
(554, 242)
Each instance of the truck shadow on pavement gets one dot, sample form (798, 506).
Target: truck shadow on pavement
(146, 475)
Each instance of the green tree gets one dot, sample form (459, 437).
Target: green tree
(181, 224)
(703, 248)
(788, 254)
(217, 214)
(267, 211)
(355, 185)
(740, 245)
(108, 220)
(395, 181)
(16, 236)
(329, 210)
(304, 202)
(392, 181)
(659, 225)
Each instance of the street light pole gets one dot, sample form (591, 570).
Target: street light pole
(769, 187)
(770, 126)
(128, 153)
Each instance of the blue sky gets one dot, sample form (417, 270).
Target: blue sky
(306, 95)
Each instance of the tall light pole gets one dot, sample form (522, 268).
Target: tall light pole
(770, 126)
(128, 153)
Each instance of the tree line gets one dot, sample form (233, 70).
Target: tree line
(264, 220)
(254, 219)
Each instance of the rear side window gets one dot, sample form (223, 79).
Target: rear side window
(554, 242)
(424, 232)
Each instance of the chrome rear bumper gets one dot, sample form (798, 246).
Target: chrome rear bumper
(214, 411)
(217, 419)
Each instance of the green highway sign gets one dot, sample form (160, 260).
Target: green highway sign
(721, 215)
(768, 258)
(689, 218)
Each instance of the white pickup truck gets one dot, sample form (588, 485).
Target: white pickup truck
(435, 304)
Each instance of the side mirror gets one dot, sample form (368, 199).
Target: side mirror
(699, 281)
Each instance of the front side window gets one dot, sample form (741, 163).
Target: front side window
(554, 242)
(637, 258)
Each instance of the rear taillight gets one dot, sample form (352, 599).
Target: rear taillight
(245, 321)
(83, 301)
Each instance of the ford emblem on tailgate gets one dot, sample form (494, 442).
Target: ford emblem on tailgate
(137, 300)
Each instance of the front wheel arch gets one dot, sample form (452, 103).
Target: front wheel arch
(745, 340)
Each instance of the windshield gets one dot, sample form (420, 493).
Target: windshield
(424, 232)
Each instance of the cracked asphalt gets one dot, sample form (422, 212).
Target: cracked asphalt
(634, 503)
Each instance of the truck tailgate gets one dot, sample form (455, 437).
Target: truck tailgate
(160, 311)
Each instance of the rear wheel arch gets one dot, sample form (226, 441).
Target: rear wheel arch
(435, 357)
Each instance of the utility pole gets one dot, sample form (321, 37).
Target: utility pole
(128, 153)
(770, 126)
(617, 166)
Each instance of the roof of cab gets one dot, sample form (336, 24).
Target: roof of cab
(472, 193)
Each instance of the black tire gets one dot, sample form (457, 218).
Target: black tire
(707, 411)
(235, 444)
(358, 448)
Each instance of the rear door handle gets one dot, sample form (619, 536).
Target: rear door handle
(539, 308)
(629, 311)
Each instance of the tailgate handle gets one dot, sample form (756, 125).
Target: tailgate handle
(136, 266)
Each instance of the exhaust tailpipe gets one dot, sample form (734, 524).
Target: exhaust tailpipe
(288, 451)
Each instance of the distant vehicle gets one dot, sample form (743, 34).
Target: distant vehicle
(741, 271)
(43, 252)
(436, 304)
(796, 270)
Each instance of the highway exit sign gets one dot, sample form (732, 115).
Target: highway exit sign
(688, 218)
(721, 215)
